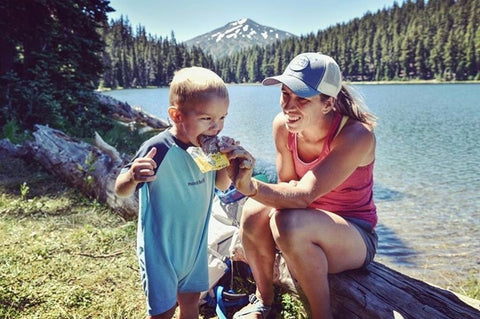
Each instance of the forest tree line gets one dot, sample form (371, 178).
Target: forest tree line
(50, 63)
(417, 40)
(54, 54)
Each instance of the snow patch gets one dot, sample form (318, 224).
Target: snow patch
(242, 21)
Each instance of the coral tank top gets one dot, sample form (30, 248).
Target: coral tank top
(354, 197)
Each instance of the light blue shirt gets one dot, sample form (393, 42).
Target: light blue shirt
(174, 212)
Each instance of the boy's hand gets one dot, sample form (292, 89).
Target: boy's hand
(143, 168)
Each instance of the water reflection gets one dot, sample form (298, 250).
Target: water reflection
(382, 193)
(394, 248)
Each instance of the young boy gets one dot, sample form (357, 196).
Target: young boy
(175, 197)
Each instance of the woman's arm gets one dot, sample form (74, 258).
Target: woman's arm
(352, 148)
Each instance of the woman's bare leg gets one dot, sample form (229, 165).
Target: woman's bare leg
(259, 247)
(315, 243)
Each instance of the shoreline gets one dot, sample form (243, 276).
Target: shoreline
(393, 82)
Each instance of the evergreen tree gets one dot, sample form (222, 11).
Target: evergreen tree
(51, 62)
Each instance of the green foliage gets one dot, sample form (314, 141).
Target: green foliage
(11, 130)
(471, 287)
(51, 63)
(292, 307)
(419, 40)
(135, 59)
(87, 168)
(126, 138)
(24, 190)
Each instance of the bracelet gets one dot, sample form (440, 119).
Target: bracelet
(255, 185)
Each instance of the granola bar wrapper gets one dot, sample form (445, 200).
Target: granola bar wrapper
(208, 157)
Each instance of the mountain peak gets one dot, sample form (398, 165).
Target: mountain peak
(237, 35)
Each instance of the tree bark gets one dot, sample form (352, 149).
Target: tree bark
(383, 293)
(123, 112)
(90, 169)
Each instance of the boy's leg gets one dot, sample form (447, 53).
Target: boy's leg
(166, 315)
(188, 305)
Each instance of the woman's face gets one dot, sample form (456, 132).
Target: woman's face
(300, 112)
(203, 118)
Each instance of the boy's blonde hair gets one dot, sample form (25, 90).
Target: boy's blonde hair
(195, 84)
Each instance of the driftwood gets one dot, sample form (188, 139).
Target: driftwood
(123, 112)
(91, 169)
(383, 293)
(377, 292)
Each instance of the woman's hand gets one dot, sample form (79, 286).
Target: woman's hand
(241, 166)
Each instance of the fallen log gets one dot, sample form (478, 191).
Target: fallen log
(123, 112)
(91, 169)
(383, 293)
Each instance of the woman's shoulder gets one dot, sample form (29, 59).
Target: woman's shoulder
(279, 124)
(280, 132)
(356, 128)
(357, 137)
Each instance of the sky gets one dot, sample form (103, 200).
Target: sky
(190, 18)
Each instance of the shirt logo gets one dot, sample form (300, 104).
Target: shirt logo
(200, 181)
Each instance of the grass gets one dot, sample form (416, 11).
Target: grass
(63, 256)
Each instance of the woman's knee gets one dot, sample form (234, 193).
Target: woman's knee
(254, 217)
(283, 227)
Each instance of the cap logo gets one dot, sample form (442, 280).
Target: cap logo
(299, 63)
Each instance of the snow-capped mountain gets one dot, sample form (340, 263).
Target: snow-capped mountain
(235, 36)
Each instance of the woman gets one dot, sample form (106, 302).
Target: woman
(321, 214)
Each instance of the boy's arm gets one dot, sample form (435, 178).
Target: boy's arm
(142, 170)
(222, 181)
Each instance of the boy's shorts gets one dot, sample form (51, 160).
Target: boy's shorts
(162, 282)
(369, 236)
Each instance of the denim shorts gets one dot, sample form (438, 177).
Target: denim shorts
(369, 237)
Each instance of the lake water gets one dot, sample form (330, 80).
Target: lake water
(427, 173)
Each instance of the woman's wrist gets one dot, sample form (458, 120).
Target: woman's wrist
(255, 187)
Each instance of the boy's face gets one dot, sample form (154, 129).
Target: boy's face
(202, 118)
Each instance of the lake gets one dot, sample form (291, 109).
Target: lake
(427, 173)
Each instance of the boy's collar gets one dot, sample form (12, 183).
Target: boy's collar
(183, 145)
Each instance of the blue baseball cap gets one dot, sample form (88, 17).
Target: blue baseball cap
(309, 74)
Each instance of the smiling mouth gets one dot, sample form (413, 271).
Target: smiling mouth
(291, 119)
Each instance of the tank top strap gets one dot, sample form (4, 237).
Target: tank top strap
(333, 129)
(342, 124)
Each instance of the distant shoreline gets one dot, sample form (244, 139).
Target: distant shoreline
(413, 82)
(346, 82)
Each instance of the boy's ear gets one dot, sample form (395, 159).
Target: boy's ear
(175, 114)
